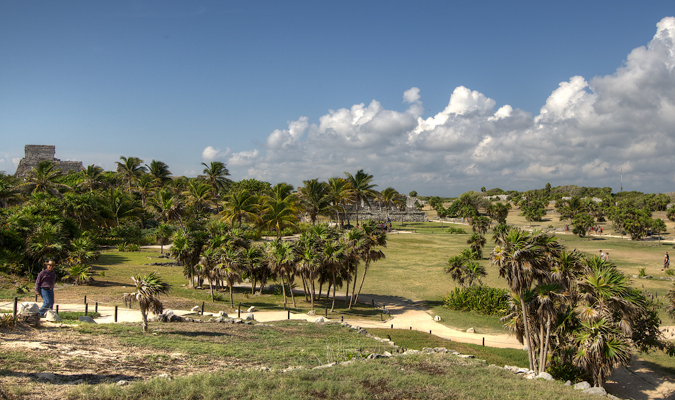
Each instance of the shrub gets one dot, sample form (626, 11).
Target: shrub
(642, 272)
(481, 299)
(456, 231)
(133, 247)
(80, 274)
(670, 272)
(121, 247)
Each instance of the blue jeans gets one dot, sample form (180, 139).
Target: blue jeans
(48, 298)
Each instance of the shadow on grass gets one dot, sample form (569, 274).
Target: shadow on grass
(66, 379)
(197, 333)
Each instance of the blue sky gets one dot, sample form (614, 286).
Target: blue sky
(288, 91)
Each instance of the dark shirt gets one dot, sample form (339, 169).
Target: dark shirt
(45, 279)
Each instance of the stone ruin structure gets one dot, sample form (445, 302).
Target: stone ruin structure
(36, 153)
(377, 212)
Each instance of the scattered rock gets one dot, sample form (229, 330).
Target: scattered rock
(52, 316)
(251, 309)
(470, 330)
(568, 383)
(386, 354)
(409, 352)
(437, 318)
(28, 308)
(362, 332)
(86, 318)
(222, 314)
(311, 312)
(165, 376)
(121, 383)
(196, 309)
(545, 376)
(582, 385)
(598, 391)
(250, 317)
(264, 369)
(324, 366)
(320, 319)
(466, 356)
(289, 369)
(373, 356)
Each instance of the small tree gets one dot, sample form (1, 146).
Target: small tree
(148, 290)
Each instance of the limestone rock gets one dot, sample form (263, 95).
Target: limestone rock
(196, 309)
(165, 376)
(437, 318)
(28, 308)
(250, 317)
(598, 391)
(470, 330)
(568, 383)
(324, 366)
(545, 376)
(52, 316)
(311, 312)
(251, 309)
(582, 385)
(122, 383)
(222, 314)
(320, 319)
(86, 318)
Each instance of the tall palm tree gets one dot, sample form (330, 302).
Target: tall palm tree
(159, 172)
(148, 290)
(477, 242)
(120, 205)
(145, 186)
(314, 198)
(601, 348)
(362, 188)
(166, 206)
(217, 176)
(43, 179)
(130, 169)
(521, 260)
(369, 252)
(238, 205)
(340, 194)
(163, 234)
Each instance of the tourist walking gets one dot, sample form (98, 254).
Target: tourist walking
(603, 256)
(44, 286)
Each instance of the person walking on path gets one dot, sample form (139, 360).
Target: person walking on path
(603, 257)
(666, 262)
(44, 286)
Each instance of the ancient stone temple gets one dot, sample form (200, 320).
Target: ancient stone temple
(36, 153)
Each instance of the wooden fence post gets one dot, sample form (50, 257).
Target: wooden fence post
(115, 313)
(16, 302)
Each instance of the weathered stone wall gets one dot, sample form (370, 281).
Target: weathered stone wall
(36, 153)
(396, 216)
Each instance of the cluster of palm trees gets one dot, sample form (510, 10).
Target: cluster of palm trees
(570, 309)
(320, 256)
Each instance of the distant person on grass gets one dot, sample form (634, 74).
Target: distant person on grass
(603, 256)
(666, 262)
(44, 286)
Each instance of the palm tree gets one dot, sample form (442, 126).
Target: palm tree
(361, 188)
(130, 169)
(120, 205)
(279, 214)
(340, 194)
(199, 195)
(159, 172)
(480, 225)
(217, 176)
(601, 348)
(374, 237)
(145, 186)
(8, 194)
(166, 206)
(163, 234)
(314, 198)
(521, 260)
(91, 178)
(208, 262)
(238, 205)
(42, 179)
(148, 290)
(46, 241)
(477, 242)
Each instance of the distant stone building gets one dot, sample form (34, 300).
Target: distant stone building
(36, 153)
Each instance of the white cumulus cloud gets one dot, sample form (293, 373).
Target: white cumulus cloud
(211, 153)
(587, 130)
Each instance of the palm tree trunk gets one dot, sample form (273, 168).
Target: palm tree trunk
(144, 317)
(542, 363)
(332, 307)
(363, 278)
(231, 298)
(253, 282)
(321, 289)
(347, 292)
(283, 289)
(356, 271)
(527, 330)
(211, 285)
(312, 294)
(290, 288)
(305, 289)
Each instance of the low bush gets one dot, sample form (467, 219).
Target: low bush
(481, 299)
(456, 231)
